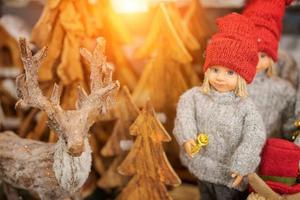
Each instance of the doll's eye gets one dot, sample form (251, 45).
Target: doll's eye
(215, 70)
(230, 72)
(262, 55)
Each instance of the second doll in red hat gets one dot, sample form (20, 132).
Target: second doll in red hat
(229, 130)
(274, 97)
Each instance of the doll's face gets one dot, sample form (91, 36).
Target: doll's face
(222, 78)
(264, 62)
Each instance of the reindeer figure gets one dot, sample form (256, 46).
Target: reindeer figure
(55, 171)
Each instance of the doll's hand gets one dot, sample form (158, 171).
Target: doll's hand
(237, 179)
(188, 145)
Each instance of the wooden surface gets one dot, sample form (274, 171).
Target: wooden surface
(126, 112)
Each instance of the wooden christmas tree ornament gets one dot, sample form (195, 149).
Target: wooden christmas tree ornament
(146, 161)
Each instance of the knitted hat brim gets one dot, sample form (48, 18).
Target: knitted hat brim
(239, 56)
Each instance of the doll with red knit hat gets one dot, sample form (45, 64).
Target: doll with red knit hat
(274, 97)
(218, 128)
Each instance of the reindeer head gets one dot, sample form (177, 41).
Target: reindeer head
(71, 125)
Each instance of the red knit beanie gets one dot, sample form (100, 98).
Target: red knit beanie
(267, 16)
(234, 46)
(280, 161)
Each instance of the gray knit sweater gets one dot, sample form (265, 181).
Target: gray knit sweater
(275, 100)
(297, 110)
(235, 129)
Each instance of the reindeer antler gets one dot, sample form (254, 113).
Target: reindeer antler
(28, 89)
(102, 87)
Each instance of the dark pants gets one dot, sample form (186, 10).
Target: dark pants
(211, 191)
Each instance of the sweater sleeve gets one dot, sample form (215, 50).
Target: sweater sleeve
(297, 109)
(288, 114)
(246, 158)
(185, 123)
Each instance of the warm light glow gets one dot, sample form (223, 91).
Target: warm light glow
(130, 6)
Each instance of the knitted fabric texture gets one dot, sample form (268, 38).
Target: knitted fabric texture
(280, 158)
(267, 16)
(297, 110)
(275, 100)
(235, 131)
(234, 46)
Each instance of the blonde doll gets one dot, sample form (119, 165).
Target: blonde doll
(221, 111)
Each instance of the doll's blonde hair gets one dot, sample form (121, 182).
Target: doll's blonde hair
(240, 89)
(271, 71)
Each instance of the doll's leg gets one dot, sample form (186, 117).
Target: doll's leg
(225, 193)
(206, 190)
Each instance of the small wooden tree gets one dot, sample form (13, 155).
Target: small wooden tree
(169, 73)
(198, 23)
(117, 34)
(126, 112)
(111, 179)
(146, 161)
(182, 29)
(10, 67)
(202, 29)
(65, 25)
(9, 51)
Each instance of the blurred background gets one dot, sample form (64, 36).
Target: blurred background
(158, 53)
